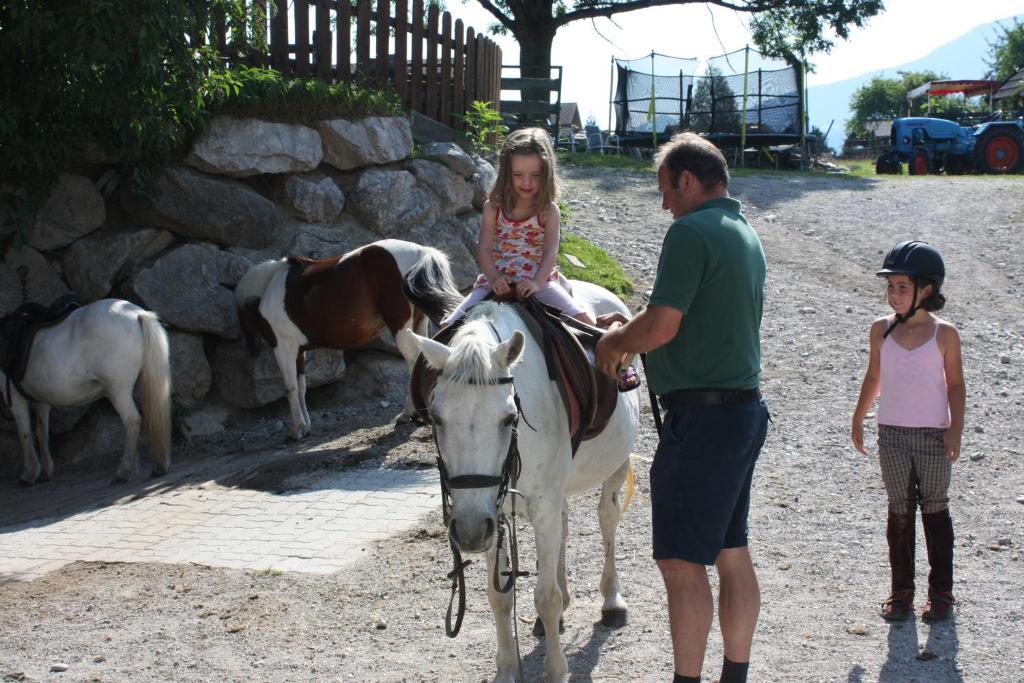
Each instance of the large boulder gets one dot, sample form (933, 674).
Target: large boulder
(453, 191)
(387, 200)
(439, 235)
(193, 204)
(451, 155)
(367, 142)
(92, 264)
(246, 147)
(313, 197)
(250, 382)
(42, 283)
(482, 180)
(188, 288)
(190, 371)
(73, 209)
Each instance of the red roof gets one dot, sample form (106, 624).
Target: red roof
(967, 87)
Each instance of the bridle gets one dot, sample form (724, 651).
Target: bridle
(506, 482)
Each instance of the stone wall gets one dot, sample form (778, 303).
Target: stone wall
(247, 191)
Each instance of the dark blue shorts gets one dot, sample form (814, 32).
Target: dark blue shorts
(700, 479)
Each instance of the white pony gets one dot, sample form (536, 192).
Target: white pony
(474, 410)
(99, 350)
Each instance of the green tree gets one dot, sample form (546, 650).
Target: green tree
(886, 98)
(1007, 56)
(128, 75)
(715, 107)
(779, 27)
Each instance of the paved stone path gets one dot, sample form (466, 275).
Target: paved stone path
(311, 522)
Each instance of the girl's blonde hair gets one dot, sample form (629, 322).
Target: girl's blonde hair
(526, 141)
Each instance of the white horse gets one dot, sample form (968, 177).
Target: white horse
(474, 411)
(99, 350)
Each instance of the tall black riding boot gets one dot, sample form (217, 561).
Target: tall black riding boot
(938, 536)
(899, 533)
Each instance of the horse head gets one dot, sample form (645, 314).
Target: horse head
(474, 412)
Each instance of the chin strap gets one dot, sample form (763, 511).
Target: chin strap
(904, 318)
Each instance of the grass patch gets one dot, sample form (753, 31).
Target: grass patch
(267, 571)
(589, 159)
(601, 269)
(859, 168)
(268, 95)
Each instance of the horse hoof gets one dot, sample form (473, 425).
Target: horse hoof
(157, 473)
(614, 618)
(118, 479)
(538, 627)
(24, 484)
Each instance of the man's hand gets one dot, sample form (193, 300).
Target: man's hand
(607, 357)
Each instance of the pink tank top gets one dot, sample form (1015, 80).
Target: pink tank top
(913, 391)
(518, 247)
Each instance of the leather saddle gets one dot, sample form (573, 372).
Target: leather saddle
(18, 330)
(589, 395)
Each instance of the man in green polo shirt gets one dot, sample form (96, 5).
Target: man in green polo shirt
(701, 330)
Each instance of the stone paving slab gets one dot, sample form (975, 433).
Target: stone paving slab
(316, 523)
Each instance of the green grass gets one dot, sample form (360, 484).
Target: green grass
(585, 159)
(859, 168)
(268, 571)
(601, 269)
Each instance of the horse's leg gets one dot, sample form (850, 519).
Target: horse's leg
(42, 412)
(501, 605)
(23, 419)
(300, 371)
(286, 354)
(418, 323)
(547, 596)
(124, 404)
(609, 512)
(563, 582)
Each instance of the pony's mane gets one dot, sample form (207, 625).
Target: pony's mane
(472, 347)
(256, 278)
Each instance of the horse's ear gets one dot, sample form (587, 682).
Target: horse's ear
(508, 352)
(411, 345)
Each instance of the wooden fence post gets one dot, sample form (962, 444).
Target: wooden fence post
(470, 67)
(460, 74)
(322, 40)
(279, 36)
(301, 37)
(446, 69)
(343, 28)
(431, 108)
(383, 32)
(363, 41)
(401, 39)
(416, 66)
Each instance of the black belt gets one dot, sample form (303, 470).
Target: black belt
(709, 397)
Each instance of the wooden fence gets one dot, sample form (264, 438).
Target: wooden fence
(434, 64)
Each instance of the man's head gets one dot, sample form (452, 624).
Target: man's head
(691, 171)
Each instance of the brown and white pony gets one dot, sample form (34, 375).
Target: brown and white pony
(343, 302)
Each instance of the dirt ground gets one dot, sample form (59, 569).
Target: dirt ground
(817, 517)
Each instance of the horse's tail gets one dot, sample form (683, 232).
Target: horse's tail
(630, 485)
(155, 389)
(429, 285)
(248, 294)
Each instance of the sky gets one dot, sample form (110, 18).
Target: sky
(906, 30)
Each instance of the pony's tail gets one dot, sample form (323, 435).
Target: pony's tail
(429, 285)
(630, 485)
(155, 390)
(248, 294)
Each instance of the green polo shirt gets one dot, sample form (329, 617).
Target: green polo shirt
(712, 268)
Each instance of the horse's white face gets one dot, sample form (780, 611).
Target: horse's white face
(473, 419)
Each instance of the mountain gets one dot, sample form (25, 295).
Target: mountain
(963, 57)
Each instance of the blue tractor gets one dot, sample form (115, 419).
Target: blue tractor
(929, 145)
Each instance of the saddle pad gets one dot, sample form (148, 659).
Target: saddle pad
(18, 330)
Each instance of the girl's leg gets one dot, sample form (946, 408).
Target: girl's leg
(898, 477)
(553, 294)
(472, 299)
(935, 471)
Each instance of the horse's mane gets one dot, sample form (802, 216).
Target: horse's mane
(471, 348)
(255, 280)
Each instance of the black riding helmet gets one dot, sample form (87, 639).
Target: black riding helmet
(917, 260)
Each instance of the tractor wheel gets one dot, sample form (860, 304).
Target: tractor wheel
(1000, 150)
(886, 164)
(919, 163)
